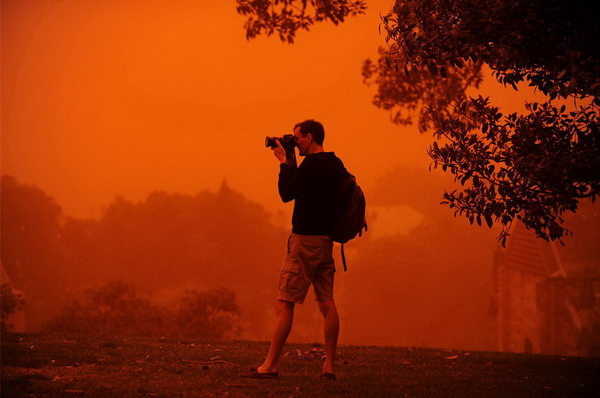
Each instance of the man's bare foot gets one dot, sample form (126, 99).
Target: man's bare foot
(259, 375)
(265, 369)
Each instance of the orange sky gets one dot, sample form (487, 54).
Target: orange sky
(111, 97)
(105, 98)
(102, 98)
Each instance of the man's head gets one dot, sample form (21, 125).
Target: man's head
(310, 135)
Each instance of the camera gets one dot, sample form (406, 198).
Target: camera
(288, 142)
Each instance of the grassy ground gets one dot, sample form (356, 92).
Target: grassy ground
(39, 365)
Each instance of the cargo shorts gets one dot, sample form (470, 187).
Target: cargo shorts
(308, 260)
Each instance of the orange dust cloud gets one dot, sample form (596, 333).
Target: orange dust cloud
(104, 98)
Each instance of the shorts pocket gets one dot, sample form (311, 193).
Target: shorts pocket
(288, 280)
(290, 265)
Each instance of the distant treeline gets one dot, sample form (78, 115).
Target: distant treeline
(166, 242)
(430, 287)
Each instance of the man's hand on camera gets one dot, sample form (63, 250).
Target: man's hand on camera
(279, 153)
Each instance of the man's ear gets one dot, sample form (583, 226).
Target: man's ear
(309, 137)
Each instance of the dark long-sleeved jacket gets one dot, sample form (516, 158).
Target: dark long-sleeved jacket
(313, 186)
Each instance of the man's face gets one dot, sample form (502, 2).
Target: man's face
(302, 141)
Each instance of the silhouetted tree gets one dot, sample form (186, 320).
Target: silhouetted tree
(168, 239)
(285, 17)
(10, 302)
(31, 247)
(533, 166)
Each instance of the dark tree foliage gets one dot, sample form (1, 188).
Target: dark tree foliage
(116, 308)
(285, 17)
(167, 241)
(419, 89)
(31, 248)
(533, 166)
(113, 308)
(11, 301)
(211, 314)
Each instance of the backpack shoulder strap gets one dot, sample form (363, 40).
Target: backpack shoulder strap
(344, 259)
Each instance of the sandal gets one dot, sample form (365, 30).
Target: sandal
(255, 374)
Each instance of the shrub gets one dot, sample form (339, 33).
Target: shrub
(115, 308)
(11, 301)
(212, 314)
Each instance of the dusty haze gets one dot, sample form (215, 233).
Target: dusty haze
(107, 98)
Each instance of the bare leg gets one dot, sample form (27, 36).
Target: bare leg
(281, 331)
(332, 330)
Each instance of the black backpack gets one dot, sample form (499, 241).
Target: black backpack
(350, 220)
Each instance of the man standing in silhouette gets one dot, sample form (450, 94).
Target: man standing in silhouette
(308, 258)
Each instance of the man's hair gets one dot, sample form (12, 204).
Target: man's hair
(313, 128)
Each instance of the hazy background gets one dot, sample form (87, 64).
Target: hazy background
(110, 98)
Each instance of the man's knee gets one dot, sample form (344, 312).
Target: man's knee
(284, 306)
(326, 306)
